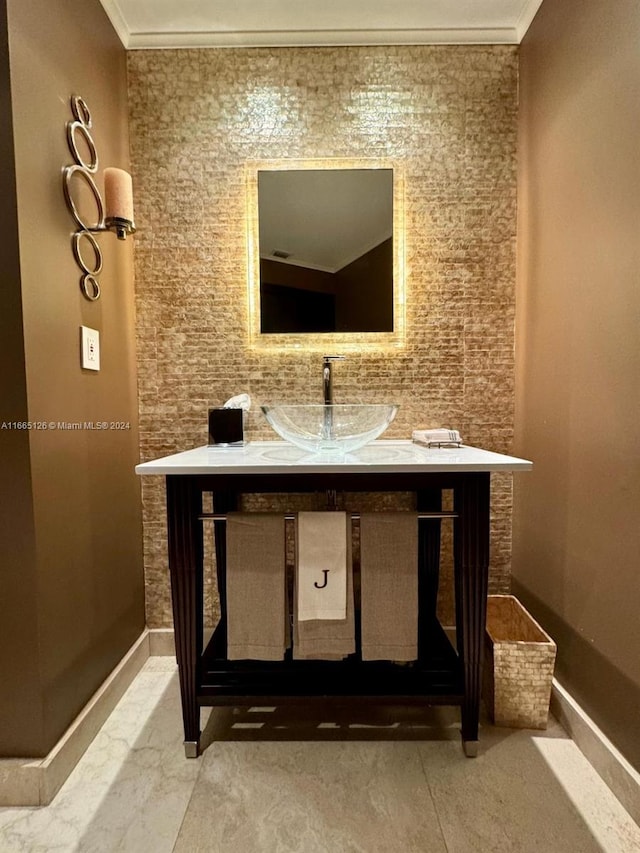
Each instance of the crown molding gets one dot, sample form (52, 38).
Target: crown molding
(319, 38)
(528, 13)
(118, 22)
(161, 39)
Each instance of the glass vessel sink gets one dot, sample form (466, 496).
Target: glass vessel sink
(336, 428)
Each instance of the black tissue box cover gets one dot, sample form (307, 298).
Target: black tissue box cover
(225, 426)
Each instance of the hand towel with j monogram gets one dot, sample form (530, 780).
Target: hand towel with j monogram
(324, 585)
(322, 565)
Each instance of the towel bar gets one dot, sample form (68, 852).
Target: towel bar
(221, 516)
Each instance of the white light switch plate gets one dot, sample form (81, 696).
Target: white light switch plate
(90, 348)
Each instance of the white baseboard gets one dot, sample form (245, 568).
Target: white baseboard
(36, 781)
(607, 761)
(161, 642)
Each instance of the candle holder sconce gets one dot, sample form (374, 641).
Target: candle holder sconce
(114, 214)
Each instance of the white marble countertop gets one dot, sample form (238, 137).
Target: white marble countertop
(379, 457)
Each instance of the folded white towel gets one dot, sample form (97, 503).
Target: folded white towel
(436, 436)
(322, 565)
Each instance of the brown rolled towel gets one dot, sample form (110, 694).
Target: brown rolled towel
(389, 585)
(256, 581)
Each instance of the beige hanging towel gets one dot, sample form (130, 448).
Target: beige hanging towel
(256, 587)
(321, 590)
(326, 639)
(389, 585)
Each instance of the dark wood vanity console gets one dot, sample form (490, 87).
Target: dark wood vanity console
(441, 675)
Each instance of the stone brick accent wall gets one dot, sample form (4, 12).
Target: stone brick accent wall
(448, 114)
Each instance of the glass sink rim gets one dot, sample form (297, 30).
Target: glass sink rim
(314, 438)
(267, 406)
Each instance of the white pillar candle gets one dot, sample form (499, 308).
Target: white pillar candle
(118, 194)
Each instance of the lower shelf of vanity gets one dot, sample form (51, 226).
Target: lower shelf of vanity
(435, 678)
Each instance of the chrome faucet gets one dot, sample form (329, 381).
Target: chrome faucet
(327, 379)
(327, 388)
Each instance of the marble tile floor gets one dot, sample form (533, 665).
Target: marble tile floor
(319, 781)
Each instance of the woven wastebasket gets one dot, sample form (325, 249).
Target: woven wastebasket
(518, 665)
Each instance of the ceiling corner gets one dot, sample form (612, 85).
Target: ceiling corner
(114, 13)
(528, 13)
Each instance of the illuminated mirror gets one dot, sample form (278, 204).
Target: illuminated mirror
(326, 250)
(325, 255)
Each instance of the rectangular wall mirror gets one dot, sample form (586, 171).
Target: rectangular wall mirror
(325, 255)
(326, 250)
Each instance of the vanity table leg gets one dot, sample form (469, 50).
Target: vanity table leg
(471, 552)
(184, 505)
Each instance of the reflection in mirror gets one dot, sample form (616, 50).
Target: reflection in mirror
(326, 250)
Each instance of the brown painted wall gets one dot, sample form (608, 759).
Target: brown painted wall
(289, 275)
(365, 300)
(86, 588)
(576, 529)
(19, 706)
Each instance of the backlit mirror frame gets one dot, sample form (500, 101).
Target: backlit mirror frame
(326, 341)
